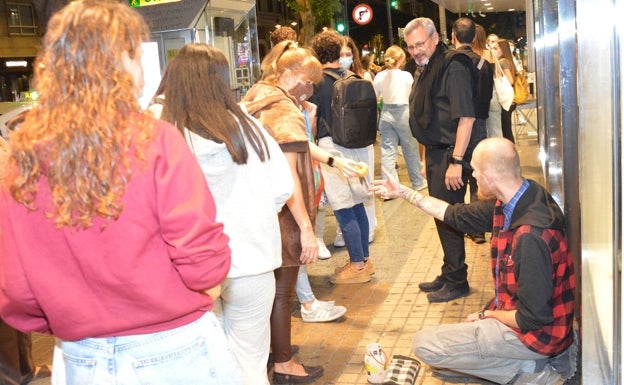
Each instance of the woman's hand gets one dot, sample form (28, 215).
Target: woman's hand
(309, 246)
(348, 167)
(387, 188)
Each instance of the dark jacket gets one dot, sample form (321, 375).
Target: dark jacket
(531, 264)
(443, 94)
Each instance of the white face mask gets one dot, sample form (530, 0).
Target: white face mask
(345, 62)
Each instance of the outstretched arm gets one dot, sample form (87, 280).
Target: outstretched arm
(391, 188)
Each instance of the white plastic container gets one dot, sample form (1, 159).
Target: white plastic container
(375, 363)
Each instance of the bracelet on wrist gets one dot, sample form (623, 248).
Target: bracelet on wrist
(458, 156)
(412, 197)
(330, 161)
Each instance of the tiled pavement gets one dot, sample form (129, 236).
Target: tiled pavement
(390, 308)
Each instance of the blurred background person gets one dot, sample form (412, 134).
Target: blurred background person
(237, 156)
(503, 54)
(393, 86)
(479, 46)
(87, 167)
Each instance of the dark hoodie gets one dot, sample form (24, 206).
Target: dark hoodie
(534, 266)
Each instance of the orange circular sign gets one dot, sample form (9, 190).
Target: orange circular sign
(362, 14)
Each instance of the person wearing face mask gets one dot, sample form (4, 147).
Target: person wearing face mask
(276, 100)
(350, 61)
(346, 200)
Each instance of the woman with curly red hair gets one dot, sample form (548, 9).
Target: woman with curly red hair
(99, 244)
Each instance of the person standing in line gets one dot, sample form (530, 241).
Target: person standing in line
(393, 85)
(350, 60)
(312, 309)
(503, 54)
(288, 73)
(464, 31)
(237, 156)
(346, 197)
(92, 206)
(441, 117)
(493, 122)
(525, 334)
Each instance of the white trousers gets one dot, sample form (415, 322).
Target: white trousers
(244, 309)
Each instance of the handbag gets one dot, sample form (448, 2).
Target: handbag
(504, 89)
(521, 88)
(402, 370)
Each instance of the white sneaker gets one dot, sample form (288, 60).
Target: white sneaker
(340, 242)
(321, 311)
(323, 252)
(548, 376)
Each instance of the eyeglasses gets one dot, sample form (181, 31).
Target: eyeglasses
(420, 45)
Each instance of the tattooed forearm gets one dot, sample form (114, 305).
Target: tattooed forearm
(432, 206)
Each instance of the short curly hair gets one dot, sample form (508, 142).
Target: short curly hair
(283, 33)
(326, 45)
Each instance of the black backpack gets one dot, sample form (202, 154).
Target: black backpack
(354, 111)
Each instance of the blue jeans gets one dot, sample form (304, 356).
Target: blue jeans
(354, 226)
(196, 353)
(394, 130)
(303, 288)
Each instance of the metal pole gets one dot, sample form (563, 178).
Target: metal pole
(390, 37)
(346, 18)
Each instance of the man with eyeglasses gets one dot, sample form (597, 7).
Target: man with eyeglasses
(441, 118)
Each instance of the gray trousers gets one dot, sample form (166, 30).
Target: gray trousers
(486, 349)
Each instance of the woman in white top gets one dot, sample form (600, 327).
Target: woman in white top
(250, 179)
(393, 85)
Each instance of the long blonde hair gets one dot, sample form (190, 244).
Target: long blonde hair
(87, 127)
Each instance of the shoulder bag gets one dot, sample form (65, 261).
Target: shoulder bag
(504, 89)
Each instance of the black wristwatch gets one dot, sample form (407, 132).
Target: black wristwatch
(456, 161)
(330, 161)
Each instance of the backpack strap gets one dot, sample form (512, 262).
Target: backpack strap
(480, 64)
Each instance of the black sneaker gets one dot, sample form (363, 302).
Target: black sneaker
(434, 285)
(449, 292)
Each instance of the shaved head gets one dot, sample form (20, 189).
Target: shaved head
(499, 156)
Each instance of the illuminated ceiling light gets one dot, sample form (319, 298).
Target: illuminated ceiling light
(511, 9)
(293, 23)
(16, 63)
(490, 8)
(486, 4)
(277, 26)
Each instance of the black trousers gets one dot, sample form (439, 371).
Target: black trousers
(454, 268)
(16, 363)
(506, 124)
(479, 132)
